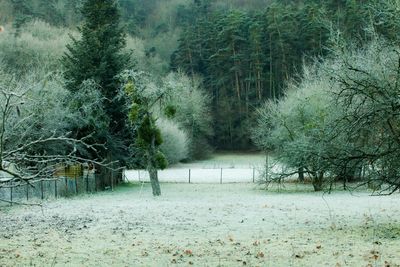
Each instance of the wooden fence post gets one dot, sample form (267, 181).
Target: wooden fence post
(221, 177)
(189, 175)
(66, 186)
(76, 183)
(55, 188)
(112, 180)
(11, 195)
(254, 175)
(27, 192)
(41, 189)
(95, 182)
(87, 181)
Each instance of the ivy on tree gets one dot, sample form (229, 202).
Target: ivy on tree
(148, 135)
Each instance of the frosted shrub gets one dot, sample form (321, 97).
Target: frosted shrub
(38, 46)
(38, 110)
(297, 128)
(193, 111)
(175, 141)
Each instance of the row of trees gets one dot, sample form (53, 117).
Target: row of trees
(246, 57)
(245, 54)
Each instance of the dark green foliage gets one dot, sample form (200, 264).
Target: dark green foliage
(22, 12)
(245, 59)
(48, 11)
(161, 160)
(134, 112)
(148, 131)
(170, 111)
(98, 56)
(248, 57)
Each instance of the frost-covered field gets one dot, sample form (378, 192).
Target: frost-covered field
(204, 225)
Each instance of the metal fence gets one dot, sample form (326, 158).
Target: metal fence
(197, 175)
(50, 188)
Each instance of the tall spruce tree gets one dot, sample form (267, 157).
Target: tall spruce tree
(98, 56)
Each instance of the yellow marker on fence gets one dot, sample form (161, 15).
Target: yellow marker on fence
(71, 171)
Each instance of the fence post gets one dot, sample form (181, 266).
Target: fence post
(267, 167)
(254, 175)
(41, 189)
(189, 175)
(138, 175)
(55, 188)
(66, 186)
(76, 183)
(87, 181)
(95, 182)
(112, 180)
(27, 192)
(221, 177)
(11, 195)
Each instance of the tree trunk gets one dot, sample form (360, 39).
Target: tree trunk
(301, 175)
(152, 168)
(155, 185)
(318, 179)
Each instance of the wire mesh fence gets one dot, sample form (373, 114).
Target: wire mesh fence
(87, 181)
(49, 188)
(198, 175)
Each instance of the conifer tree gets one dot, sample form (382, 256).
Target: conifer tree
(98, 56)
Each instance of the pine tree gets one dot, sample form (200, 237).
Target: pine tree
(98, 56)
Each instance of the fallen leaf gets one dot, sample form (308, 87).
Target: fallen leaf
(189, 252)
(260, 255)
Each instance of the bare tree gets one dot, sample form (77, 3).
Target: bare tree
(368, 93)
(341, 121)
(34, 138)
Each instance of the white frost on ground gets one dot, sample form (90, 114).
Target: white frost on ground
(204, 225)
